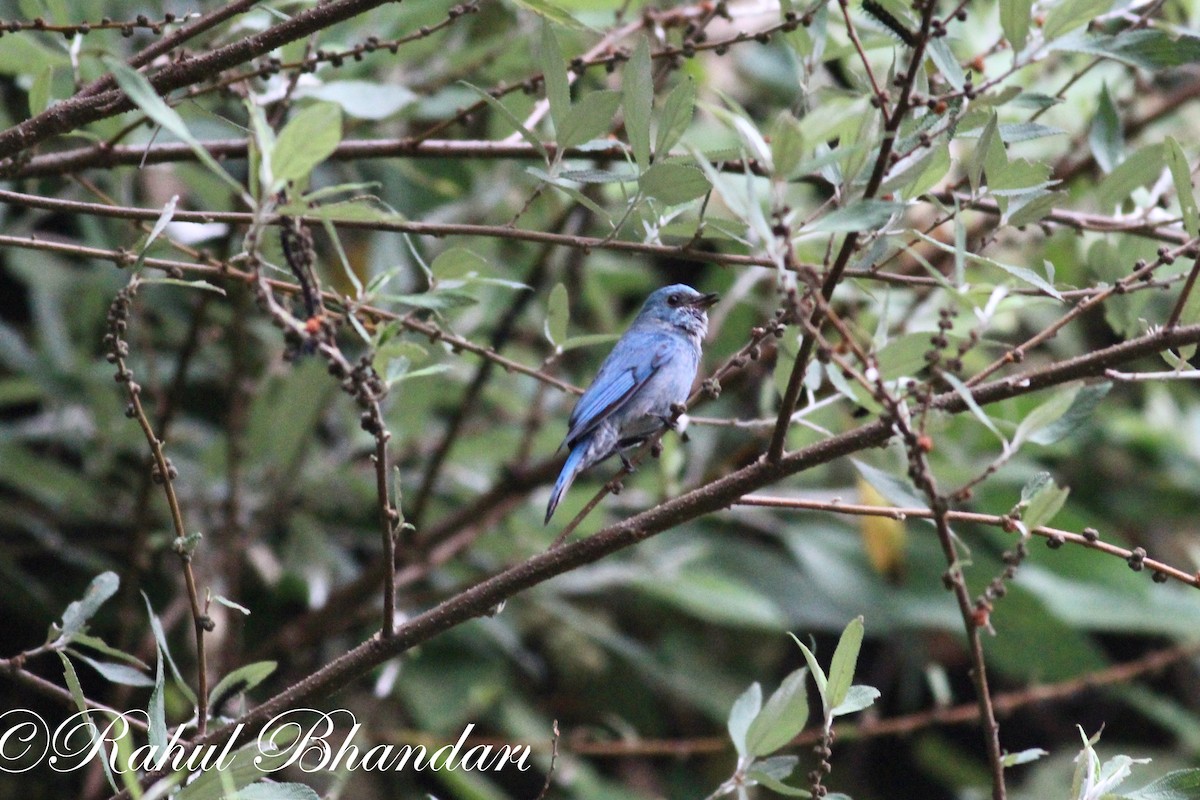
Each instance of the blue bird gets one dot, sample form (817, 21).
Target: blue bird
(650, 369)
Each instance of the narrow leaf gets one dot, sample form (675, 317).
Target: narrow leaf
(1105, 137)
(782, 717)
(673, 184)
(637, 90)
(744, 710)
(75, 618)
(1071, 14)
(857, 698)
(1014, 20)
(144, 96)
(558, 315)
(818, 674)
(1181, 174)
(675, 116)
(845, 657)
(309, 138)
(1139, 169)
(554, 71)
(519, 126)
(588, 119)
(242, 679)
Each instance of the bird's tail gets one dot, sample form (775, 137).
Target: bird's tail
(565, 478)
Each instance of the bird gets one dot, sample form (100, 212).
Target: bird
(650, 369)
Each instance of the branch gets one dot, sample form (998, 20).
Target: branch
(85, 108)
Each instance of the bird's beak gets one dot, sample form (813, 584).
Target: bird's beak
(705, 300)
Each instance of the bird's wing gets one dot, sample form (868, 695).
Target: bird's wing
(623, 373)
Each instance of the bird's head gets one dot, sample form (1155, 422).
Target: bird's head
(680, 306)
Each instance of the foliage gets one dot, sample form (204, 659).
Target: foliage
(351, 262)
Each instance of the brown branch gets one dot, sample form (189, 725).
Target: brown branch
(13, 669)
(83, 109)
(1054, 536)
(164, 473)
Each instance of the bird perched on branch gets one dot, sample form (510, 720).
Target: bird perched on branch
(650, 369)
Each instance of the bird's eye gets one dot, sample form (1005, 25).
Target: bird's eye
(673, 300)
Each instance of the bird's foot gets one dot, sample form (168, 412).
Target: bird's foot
(672, 423)
(627, 464)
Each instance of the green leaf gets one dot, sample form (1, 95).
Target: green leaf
(1045, 414)
(818, 674)
(265, 790)
(160, 639)
(225, 601)
(519, 126)
(156, 709)
(457, 262)
(975, 164)
(1070, 14)
(39, 91)
(75, 618)
(1181, 174)
(782, 717)
(247, 765)
(895, 490)
(1084, 402)
(1139, 169)
(21, 54)
(675, 116)
(637, 91)
(845, 657)
(101, 646)
(552, 12)
(861, 215)
(1018, 177)
(309, 138)
(435, 300)
(117, 673)
(76, 690)
(242, 679)
(775, 785)
(1023, 757)
(589, 340)
(787, 145)
(1028, 209)
(1014, 20)
(1042, 499)
(929, 171)
(742, 715)
(144, 96)
(1151, 49)
(1183, 784)
(673, 184)
(716, 597)
(1105, 137)
(363, 99)
(968, 399)
(554, 71)
(73, 685)
(202, 285)
(947, 63)
(1022, 273)
(558, 315)
(857, 698)
(588, 119)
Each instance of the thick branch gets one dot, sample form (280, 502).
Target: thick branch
(80, 110)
